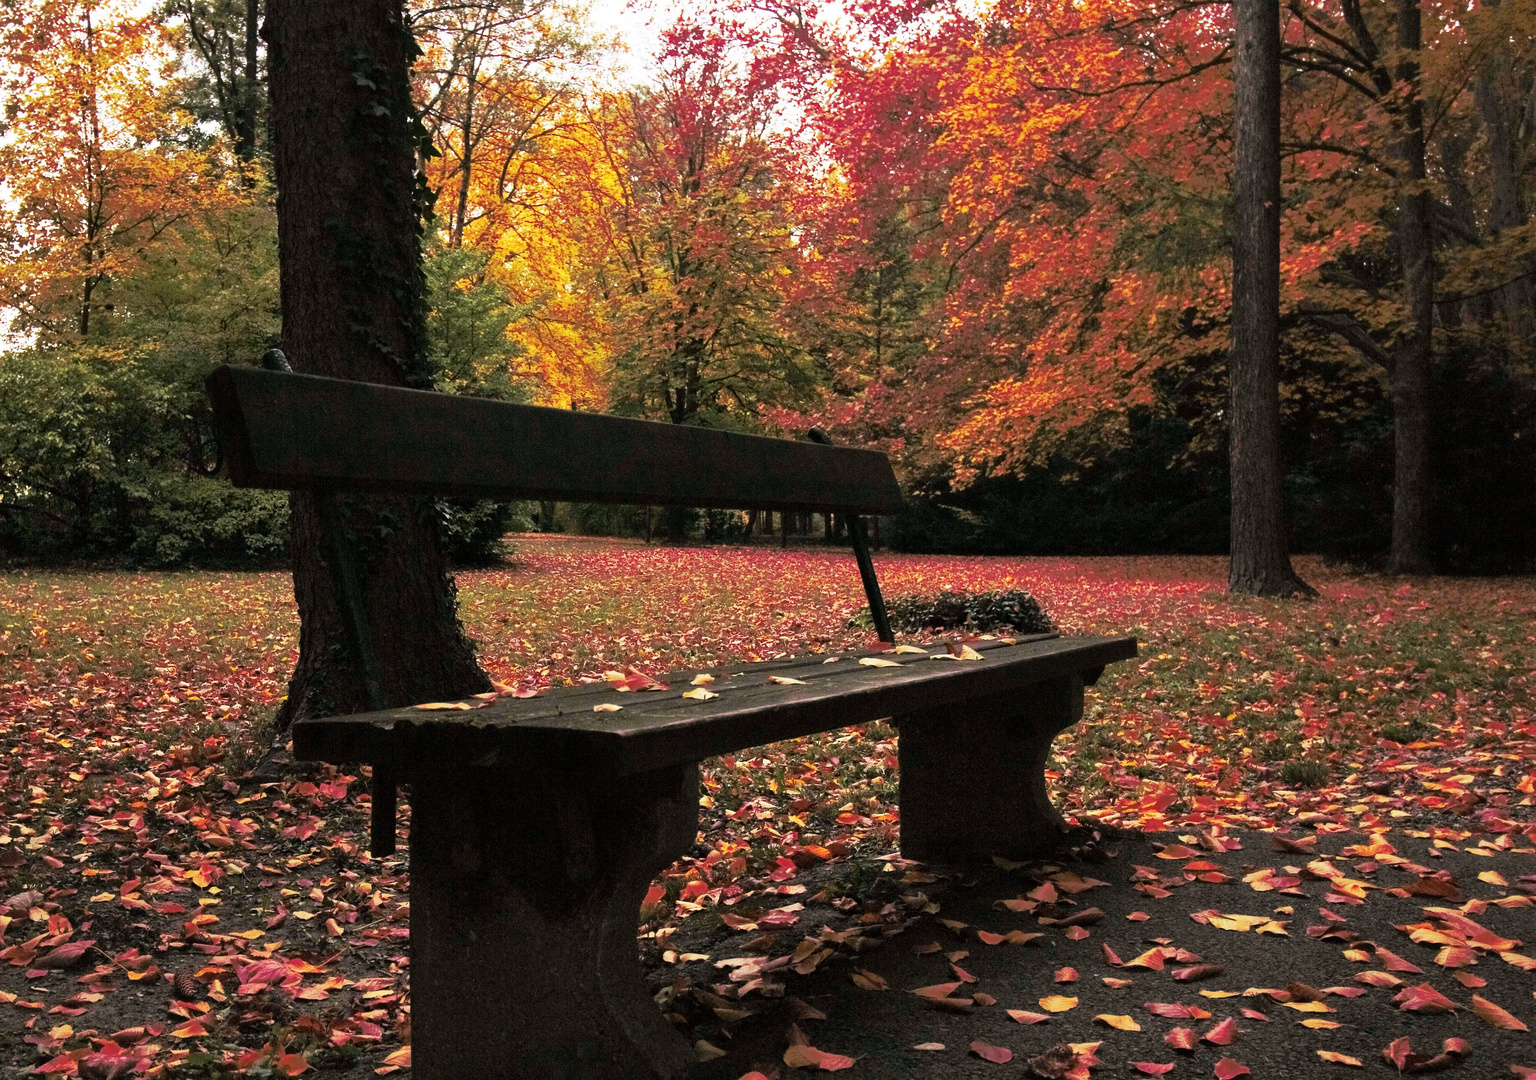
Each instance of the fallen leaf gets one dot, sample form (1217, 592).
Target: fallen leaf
(1024, 1017)
(706, 1051)
(1340, 1059)
(1228, 1069)
(875, 661)
(1196, 972)
(1496, 1016)
(1058, 1004)
(1424, 998)
(606, 707)
(444, 705)
(1181, 1038)
(698, 693)
(868, 980)
(925, 1046)
(1222, 1034)
(1152, 1068)
(784, 680)
(1066, 975)
(1119, 1023)
(999, 1055)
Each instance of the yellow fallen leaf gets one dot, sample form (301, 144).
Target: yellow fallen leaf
(699, 694)
(1339, 1059)
(439, 705)
(1220, 993)
(1058, 1004)
(1119, 1023)
(1319, 1025)
(784, 680)
(703, 680)
(1492, 877)
(1307, 1006)
(875, 661)
(913, 649)
(401, 1058)
(607, 706)
(707, 1051)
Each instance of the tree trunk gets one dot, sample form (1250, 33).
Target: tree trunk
(245, 141)
(1411, 371)
(349, 249)
(1260, 563)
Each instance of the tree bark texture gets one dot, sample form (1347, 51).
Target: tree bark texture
(1411, 370)
(1260, 562)
(344, 153)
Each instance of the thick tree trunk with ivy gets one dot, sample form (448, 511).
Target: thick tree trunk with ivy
(349, 224)
(1260, 564)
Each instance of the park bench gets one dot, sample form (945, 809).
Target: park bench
(537, 824)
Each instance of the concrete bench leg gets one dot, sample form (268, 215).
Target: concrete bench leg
(526, 886)
(973, 777)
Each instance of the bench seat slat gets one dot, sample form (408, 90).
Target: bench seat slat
(288, 431)
(658, 729)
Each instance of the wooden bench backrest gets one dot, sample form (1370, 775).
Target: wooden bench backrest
(288, 431)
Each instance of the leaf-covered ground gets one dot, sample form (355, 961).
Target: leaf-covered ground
(235, 924)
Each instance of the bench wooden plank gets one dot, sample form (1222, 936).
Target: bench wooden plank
(655, 730)
(287, 431)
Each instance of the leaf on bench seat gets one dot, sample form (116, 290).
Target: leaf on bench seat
(910, 649)
(875, 661)
(702, 680)
(437, 705)
(699, 694)
(784, 680)
(607, 706)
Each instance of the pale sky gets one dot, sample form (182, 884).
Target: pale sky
(636, 25)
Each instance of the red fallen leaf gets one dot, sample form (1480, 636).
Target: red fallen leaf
(806, 1057)
(1086, 917)
(939, 990)
(1171, 1011)
(1392, 962)
(1400, 1053)
(1496, 1016)
(989, 938)
(1197, 972)
(984, 999)
(1424, 998)
(1152, 1068)
(1222, 1034)
(1076, 933)
(1151, 959)
(1066, 975)
(1254, 1014)
(1228, 1069)
(67, 955)
(1295, 847)
(1379, 978)
(1177, 851)
(1111, 959)
(1181, 1038)
(999, 1055)
(961, 974)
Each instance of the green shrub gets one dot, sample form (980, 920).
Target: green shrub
(472, 530)
(1013, 610)
(197, 520)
